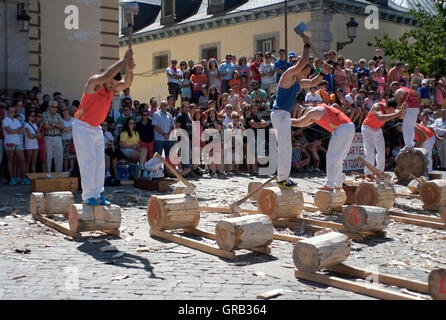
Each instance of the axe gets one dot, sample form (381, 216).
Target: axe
(300, 29)
(131, 9)
(381, 176)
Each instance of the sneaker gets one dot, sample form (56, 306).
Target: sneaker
(26, 181)
(286, 184)
(103, 201)
(12, 182)
(92, 202)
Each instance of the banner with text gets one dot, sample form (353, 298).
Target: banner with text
(356, 150)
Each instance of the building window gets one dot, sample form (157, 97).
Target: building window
(210, 50)
(267, 42)
(160, 61)
(168, 12)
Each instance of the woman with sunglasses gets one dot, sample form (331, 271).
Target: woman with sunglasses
(243, 68)
(31, 143)
(130, 143)
(214, 75)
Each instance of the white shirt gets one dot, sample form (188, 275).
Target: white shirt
(227, 121)
(13, 124)
(31, 143)
(439, 123)
(266, 68)
(349, 98)
(170, 75)
(67, 124)
(310, 98)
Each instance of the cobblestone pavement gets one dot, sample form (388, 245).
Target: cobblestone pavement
(57, 267)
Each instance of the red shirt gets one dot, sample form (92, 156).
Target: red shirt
(255, 71)
(94, 107)
(332, 118)
(372, 121)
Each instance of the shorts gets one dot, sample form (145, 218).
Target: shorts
(425, 102)
(12, 147)
(127, 151)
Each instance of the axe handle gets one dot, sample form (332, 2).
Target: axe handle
(130, 33)
(239, 202)
(314, 50)
(173, 170)
(372, 168)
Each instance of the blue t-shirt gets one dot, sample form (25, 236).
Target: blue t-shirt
(225, 67)
(329, 79)
(425, 92)
(297, 155)
(286, 98)
(366, 70)
(281, 65)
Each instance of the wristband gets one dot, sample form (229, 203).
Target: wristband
(307, 45)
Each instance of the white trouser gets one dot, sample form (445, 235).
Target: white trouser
(54, 149)
(89, 144)
(429, 145)
(441, 149)
(281, 121)
(374, 148)
(338, 149)
(409, 122)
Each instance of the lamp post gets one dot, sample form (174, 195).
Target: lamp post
(352, 27)
(23, 17)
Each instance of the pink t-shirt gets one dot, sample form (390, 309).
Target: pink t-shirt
(439, 97)
(381, 83)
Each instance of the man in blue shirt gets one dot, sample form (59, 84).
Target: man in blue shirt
(226, 69)
(329, 78)
(425, 93)
(362, 67)
(281, 65)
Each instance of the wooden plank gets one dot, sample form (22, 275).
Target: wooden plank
(348, 285)
(422, 223)
(191, 243)
(44, 175)
(386, 279)
(407, 195)
(55, 184)
(286, 237)
(393, 212)
(57, 226)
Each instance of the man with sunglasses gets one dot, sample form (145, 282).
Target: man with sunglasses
(226, 70)
(281, 65)
(87, 133)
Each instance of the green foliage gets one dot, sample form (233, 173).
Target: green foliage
(424, 46)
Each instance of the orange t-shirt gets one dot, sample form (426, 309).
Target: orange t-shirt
(235, 85)
(324, 95)
(426, 130)
(94, 108)
(332, 118)
(198, 80)
(372, 121)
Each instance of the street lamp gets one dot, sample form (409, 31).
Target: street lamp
(23, 17)
(352, 27)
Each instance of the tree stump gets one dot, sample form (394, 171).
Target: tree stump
(437, 284)
(375, 194)
(278, 202)
(365, 218)
(414, 186)
(328, 201)
(58, 202)
(254, 185)
(433, 194)
(411, 162)
(322, 251)
(247, 232)
(175, 211)
(87, 218)
(37, 203)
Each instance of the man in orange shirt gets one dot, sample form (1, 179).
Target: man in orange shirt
(323, 87)
(396, 73)
(87, 133)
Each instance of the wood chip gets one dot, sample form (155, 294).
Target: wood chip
(17, 277)
(109, 249)
(270, 294)
(120, 277)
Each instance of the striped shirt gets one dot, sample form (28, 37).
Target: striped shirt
(49, 118)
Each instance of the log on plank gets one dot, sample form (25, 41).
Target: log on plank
(437, 284)
(321, 251)
(433, 194)
(58, 202)
(280, 202)
(37, 203)
(357, 218)
(254, 185)
(330, 200)
(82, 218)
(411, 162)
(176, 211)
(245, 232)
(375, 194)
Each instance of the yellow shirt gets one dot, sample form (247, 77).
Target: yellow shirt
(130, 140)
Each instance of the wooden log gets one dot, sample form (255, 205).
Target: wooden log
(37, 203)
(58, 202)
(254, 185)
(245, 232)
(321, 251)
(87, 218)
(350, 192)
(433, 194)
(279, 202)
(356, 218)
(176, 211)
(437, 284)
(330, 200)
(375, 194)
(411, 162)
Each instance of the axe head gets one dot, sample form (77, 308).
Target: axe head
(235, 210)
(301, 28)
(190, 189)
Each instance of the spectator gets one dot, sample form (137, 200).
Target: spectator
(109, 150)
(41, 140)
(204, 64)
(227, 115)
(291, 57)
(323, 93)
(197, 80)
(315, 147)
(258, 95)
(235, 83)
(244, 98)
(312, 97)
(281, 65)
(233, 99)
(183, 66)
(13, 133)
(223, 101)
(440, 130)
(20, 112)
(184, 121)
(45, 102)
(214, 75)
(331, 58)
(204, 97)
(197, 116)
(329, 78)
(125, 95)
(174, 75)
(340, 77)
(130, 143)
(255, 68)
(31, 144)
(146, 133)
(255, 122)
(416, 77)
(236, 130)
(212, 122)
(53, 139)
(296, 160)
(191, 65)
(213, 93)
(378, 55)
(380, 80)
(153, 106)
(69, 154)
(267, 74)
(396, 73)
(226, 69)
(362, 67)
(244, 69)
(425, 93)
(126, 113)
(163, 125)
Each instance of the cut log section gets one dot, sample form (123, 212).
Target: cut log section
(278, 202)
(411, 162)
(37, 203)
(414, 186)
(58, 202)
(254, 185)
(433, 194)
(321, 251)
(357, 218)
(328, 201)
(176, 211)
(245, 232)
(437, 284)
(375, 194)
(87, 218)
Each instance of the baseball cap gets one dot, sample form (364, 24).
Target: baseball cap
(291, 54)
(424, 81)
